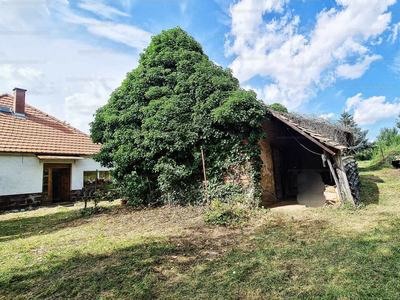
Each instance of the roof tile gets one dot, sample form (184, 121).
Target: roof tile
(41, 134)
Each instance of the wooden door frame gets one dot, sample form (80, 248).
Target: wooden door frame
(50, 167)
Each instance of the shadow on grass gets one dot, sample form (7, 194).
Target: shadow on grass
(31, 226)
(377, 166)
(279, 263)
(370, 191)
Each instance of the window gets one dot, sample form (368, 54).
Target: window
(100, 177)
(104, 175)
(89, 175)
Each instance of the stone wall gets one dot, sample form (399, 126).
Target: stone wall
(31, 201)
(267, 174)
(23, 201)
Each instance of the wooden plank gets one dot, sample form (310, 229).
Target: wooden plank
(343, 179)
(335, 178)
(304, 134)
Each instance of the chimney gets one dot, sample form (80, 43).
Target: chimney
(19, 101)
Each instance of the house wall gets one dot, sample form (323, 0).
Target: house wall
(20, 174)
(21, 178)
(87, 164)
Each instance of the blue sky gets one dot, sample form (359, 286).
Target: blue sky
(314, 56)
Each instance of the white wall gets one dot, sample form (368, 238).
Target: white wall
(20, 175)
(87, 164)
(23, 174)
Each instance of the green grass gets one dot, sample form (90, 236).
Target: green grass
(168, 253)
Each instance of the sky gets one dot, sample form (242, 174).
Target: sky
(319, 57)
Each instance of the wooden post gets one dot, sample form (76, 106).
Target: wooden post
(383, 156)
(343, 179)
(335, 178)
(205, 177)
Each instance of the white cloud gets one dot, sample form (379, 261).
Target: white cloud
(121, 33)
(338, 94)
(66, 77)
(369, 111)
(101, 9)
(297, 63)
(377, 42)
(395, 31)
(353, 101)
(80, 107)
(63, 72)
(357, 70)
(396, 64)
(326, 116)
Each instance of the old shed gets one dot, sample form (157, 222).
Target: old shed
(304, 160)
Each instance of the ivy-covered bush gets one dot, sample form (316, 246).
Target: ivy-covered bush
(175, 103)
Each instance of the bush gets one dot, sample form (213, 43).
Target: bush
(367, 154)
(226, 214)
(176, 105)
(94, 210)
(388, 143)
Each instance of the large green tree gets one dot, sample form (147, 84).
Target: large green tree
(175, 103)
(361, 141)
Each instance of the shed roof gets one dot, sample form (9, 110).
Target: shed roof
(318, 137)
(40, 133)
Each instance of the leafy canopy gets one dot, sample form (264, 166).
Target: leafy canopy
(388, 137)
(278, 107)
(175, 103)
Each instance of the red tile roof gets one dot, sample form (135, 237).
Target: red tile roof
(40, 133)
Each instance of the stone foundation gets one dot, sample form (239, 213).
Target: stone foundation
(17, 202)
(30, 201)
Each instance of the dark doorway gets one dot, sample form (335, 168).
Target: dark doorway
(295, 157)
(56, 183)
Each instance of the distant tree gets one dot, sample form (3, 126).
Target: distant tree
(388, 137)
(278, 107)
(361, 141)
(173, 105)
(398, 122)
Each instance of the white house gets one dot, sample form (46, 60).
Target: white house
(42, 160)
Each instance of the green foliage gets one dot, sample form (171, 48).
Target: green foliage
(93, 210)
(366, 154)
(278, 107)
(388, 137)
(361, 141)
(388, 143)
(175, 103)
(226, 214)
(105, 192)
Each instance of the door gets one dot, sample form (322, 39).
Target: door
(56, 183)
(65, 193)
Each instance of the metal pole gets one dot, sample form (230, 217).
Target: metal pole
(205, 177)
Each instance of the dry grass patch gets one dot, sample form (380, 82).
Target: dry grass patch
(169, 253)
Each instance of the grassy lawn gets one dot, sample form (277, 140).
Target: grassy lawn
(168, 253)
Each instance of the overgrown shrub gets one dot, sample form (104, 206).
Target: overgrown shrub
(173, 105)
(226, 214)
(388, 143)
